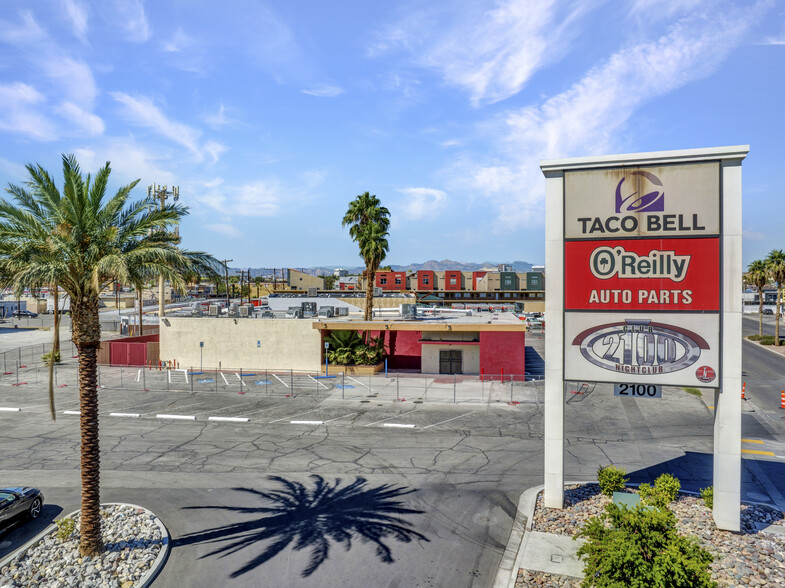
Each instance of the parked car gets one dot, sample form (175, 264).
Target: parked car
(768, 311)
(24, 314)
(17, 502)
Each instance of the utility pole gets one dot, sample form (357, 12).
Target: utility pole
(226, 274)
(162, 192)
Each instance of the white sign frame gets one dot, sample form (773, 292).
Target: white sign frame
(727, 397)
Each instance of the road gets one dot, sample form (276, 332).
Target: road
(449, 475)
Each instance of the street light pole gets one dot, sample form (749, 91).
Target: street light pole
(162, 192)
(226, 273)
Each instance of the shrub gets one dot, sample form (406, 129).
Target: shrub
(640, 547)
(664, 491)
(65, 528)
(45, 357)
(708, 496)
(762, 339)
(611, 479)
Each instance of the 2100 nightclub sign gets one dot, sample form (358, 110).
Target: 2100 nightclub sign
(642, 252)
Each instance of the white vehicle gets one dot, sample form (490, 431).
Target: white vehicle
(63, 305)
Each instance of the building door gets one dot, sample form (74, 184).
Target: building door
(450, 361)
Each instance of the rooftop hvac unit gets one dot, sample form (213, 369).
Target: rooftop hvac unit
(313, 292)
(294, 312)
(308, 309)
(326, 311)
(342, 311)
(377, 292)
(244, 312)
(409, 311)
(213, 310)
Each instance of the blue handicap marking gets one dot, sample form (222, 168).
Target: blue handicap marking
(344, 386)
(262, 382)
(205, 381)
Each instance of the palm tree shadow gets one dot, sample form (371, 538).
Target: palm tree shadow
(312, 518)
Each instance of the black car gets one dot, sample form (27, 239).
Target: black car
(17, 502)
(24, 314)
(768, 311)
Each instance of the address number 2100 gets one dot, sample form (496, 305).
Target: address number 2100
(637, 390)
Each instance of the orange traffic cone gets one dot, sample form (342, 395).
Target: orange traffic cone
(782, 399)
(743, 389)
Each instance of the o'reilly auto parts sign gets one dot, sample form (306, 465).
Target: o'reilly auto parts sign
(642, 274)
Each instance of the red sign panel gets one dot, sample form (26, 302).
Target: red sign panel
(642, 274)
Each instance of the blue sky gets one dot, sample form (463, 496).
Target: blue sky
(272, 116)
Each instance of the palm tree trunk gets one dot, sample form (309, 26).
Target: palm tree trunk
(760, 312)
(779, 307)
(140, 311)
(370, 274)
(52, 355)
(87, 337)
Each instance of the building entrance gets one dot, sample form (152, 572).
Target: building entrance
(450, 361)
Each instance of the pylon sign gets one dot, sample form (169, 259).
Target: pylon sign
(642, 274)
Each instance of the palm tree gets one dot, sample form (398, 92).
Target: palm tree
(84, 240)
(758, 277)
(775, 264)
(369, 222)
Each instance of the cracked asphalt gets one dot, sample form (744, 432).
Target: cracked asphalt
(422, 494)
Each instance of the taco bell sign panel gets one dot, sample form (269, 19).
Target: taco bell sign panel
(658, 201)
(642, 274)
(677, 349)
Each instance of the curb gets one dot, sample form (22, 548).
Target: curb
(146, 580)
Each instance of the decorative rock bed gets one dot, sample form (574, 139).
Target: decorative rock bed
(133, 537)
(748, 558)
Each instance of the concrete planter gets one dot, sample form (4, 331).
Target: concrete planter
(359, 370)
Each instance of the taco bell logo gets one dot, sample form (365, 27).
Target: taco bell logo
(635, 202)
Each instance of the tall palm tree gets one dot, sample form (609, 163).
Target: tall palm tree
(368, 223)
(758, 276)
(83, 240)
(775, 263)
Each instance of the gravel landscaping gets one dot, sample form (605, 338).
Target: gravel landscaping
(133, 541)
(747, 558)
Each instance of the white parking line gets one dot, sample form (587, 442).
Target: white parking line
(295, 415)
(229, 419)
(342, 417)
(317, 381)
(306, 422)
(4, 409)
(176, 416)
(280, 380)
(71, 412)
(125, 414)
(389, 418)
(405, 426)
(224, 377)
(448, 420)
(359, 382)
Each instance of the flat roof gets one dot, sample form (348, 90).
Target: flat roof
(505, 321)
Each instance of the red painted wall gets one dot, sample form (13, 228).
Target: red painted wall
(448, 276)
(477, 276)
(502, 352)
(431, 275)
(390, 278)
(404, 349)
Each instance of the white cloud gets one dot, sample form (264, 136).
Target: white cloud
(131, 18)
(87, 121)
(217, 119)
(226, 229)
(259, 198)
(19, 112)
(77, 13)
(325, 91)
(178, 42)
(143, 112)
(590, 116)
(491, 53)
(422, 202)
(753, 235)
(130, 161)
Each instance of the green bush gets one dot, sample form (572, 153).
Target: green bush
(611, 479)
(664, 491)
(45, 357)
(65, 528)
(640, 548)
(708, 496)
(762, 339)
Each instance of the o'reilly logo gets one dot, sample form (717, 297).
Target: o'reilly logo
(607, 262)
(640, 346)
(649, 202)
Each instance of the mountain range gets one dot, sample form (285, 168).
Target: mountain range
(433, 264)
